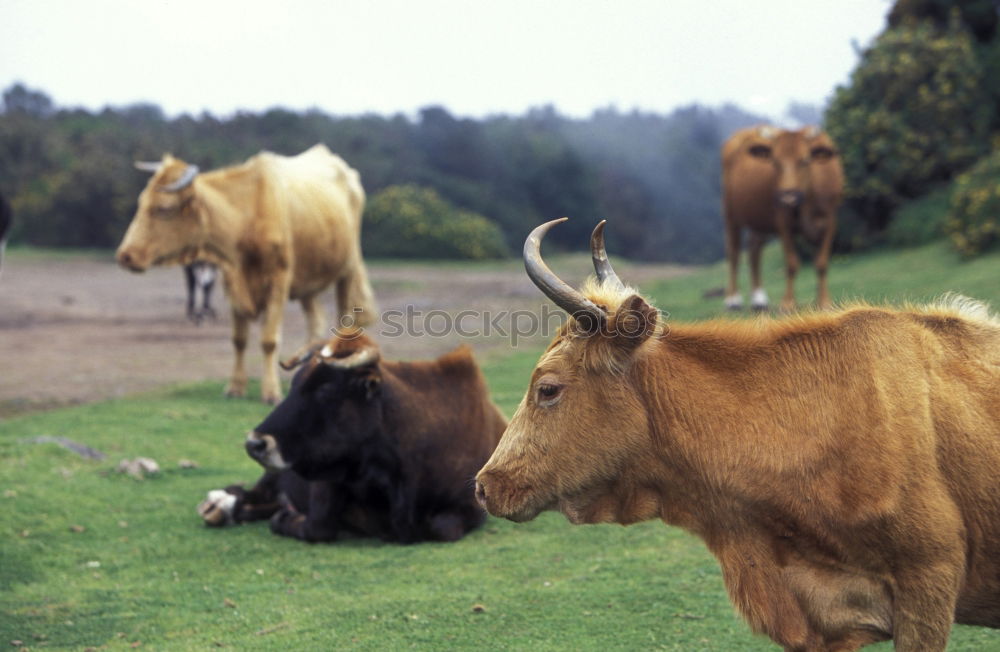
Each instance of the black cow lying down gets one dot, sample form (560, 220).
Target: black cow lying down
(369, 447)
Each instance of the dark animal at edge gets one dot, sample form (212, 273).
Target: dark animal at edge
(6, 218)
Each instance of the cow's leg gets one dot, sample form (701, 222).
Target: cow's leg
(822, 262)
(241, 330)
(758, 298)
(206, 295)
(234, 504)
(189, 279)
(924, 607)
(791, 264)
(733, 300)
(753, 579)
(321, 522)
(925, 590)
(315, 320)
(924, 600)
(355, 303)
(270, 341)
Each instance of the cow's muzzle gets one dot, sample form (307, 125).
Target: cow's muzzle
(790, 198)
(263, 449)
(496, 495)
(129, 261)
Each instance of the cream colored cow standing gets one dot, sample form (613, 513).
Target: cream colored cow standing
(279, 228)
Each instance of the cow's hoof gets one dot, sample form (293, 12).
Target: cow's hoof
(218, 508)
(733, 302)
(288, 522)
(271, 398)
(235, 391)
(759, 301)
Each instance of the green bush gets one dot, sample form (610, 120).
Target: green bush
(974, 221)
(920, 221)
(915, 114)
(409, 221)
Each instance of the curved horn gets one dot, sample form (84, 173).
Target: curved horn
(190, 172)
(148, 166)
(360, 358)
(302, 356)
(551, 285)
(602, 266)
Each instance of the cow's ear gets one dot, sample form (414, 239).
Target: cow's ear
(758, 150)
(633, 323)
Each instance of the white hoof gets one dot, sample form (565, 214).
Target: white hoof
(734, 302)
(217, 508)
(759, 300)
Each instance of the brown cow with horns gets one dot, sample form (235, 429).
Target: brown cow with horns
(842, 466)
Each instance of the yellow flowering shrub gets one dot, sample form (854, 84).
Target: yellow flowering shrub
(409, 221)
(973, 223)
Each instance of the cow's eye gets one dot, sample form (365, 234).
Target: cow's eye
(548, 393)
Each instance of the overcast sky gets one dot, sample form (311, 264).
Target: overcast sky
(474, 57)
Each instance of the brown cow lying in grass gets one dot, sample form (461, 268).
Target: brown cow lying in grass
(370, 447)
(842, 467)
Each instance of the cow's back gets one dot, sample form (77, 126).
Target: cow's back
(748, 182)
(446, 424)
(322, 199)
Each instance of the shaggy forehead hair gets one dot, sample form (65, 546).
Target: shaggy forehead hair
(597, 351)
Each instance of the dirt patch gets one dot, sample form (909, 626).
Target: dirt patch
(78, 329)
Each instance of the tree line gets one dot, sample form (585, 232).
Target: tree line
(917, 125)
(68, 171)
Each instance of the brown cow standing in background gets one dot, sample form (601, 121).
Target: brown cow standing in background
(279, 228)
(841, 467)
(783, 182)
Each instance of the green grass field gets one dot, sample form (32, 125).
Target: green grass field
(93, 558)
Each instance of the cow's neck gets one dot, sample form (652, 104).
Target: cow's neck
(225, 220)
(720, 408)
(225, 202)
